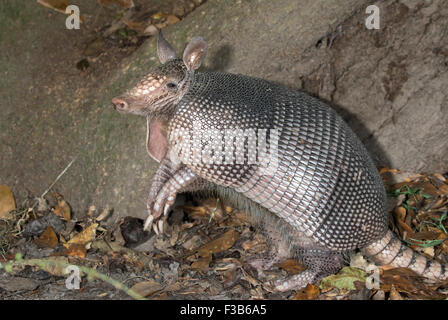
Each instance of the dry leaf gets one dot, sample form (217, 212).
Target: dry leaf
(62, 209)
(206, 208)
(292, 266)
(125, 4)
(394, 294)
(400, 213)
(151, 30)
(428, 235)
(258, 244)
(388, 170)
(48, 238)
(135, 25)
(406, 280)
(403, 227)
(429, 251)
(310, 292)
(106, 212)
(7, 202)
(146, 288)
(201, 264)
(439, 177)
(73, 250)
(172, 19)
(223, 243)
(85, 237)
(58, 5)
(444, 188)
(158, 16)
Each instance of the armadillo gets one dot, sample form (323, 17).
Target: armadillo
(280, 152)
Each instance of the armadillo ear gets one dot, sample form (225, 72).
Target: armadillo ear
(164, 50)
(156, 141)
(195, 53)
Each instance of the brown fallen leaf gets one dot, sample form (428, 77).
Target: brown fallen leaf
(399, 213)
(158, 16)
(147, 288)
(257, 244)
(310, 292)
(407, 281)
(292, 266)
(429, 251)
(388, 170)
(62, 208)
(444, 188)
(125, 4)
(394, 294)
(135, 25)
(404, 227)
(204, 210)
(85, 237)
(434, 234)
(220, 244)
(73, 250)
(48, 238)
(201, 264)
(7, 202)
(440, 177)
(58, 5)
(172, 19)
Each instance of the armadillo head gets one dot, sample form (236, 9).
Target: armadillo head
(160, 90)
(157, 94)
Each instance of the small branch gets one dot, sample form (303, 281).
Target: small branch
(49, 265)
(59, 176)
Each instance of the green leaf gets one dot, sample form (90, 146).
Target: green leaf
(345, 279)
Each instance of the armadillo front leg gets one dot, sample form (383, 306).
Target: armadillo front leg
(164, 172)
(180, 181)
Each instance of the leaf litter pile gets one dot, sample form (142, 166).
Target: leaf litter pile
(203, 253)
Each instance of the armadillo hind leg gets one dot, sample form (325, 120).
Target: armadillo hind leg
(287, 242)
(279, 249)
(389, 250)
(319, 263)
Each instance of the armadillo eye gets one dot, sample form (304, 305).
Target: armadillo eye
(171, 85)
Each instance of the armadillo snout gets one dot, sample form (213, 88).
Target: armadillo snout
(120, 104)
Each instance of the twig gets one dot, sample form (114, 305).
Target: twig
(49, 265)
(59, 176)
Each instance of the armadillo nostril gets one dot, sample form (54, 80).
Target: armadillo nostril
(119, 104)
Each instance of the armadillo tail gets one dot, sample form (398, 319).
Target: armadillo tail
(389, 250)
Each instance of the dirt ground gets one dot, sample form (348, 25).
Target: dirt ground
(207, 245)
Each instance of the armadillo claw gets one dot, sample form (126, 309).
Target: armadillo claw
(154, 227)
(148, 223)
(166, 210)
(160, 225)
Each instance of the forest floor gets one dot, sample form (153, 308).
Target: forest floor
(204, 252)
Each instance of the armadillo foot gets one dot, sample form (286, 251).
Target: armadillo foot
(296, 281)
(320, 263)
